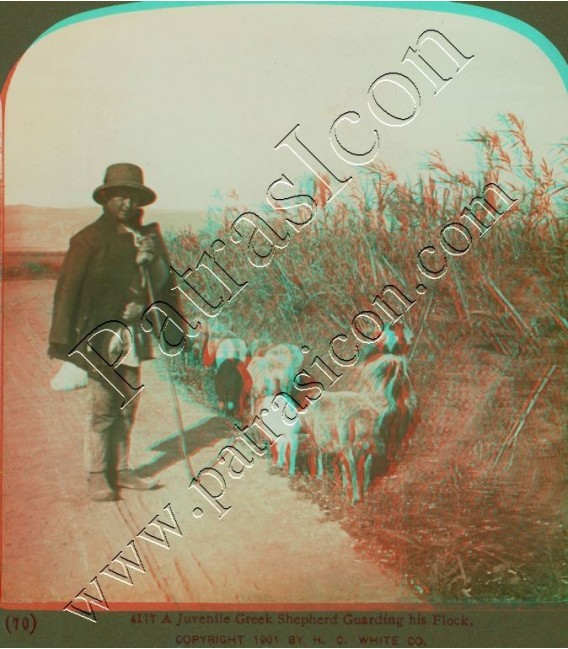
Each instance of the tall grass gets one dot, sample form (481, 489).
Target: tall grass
(370, 237)
(465, 515)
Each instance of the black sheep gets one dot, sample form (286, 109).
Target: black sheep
(229, 385)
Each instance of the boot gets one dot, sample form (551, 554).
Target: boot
(99, 488)
(128, 479)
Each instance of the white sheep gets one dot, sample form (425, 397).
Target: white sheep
(207, 343)
(369, 423)
(283, 362)
(260, 383)
(230, 348)
(279, 421)
(273, 371)
(343, 424)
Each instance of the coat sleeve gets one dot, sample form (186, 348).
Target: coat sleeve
(66, 298)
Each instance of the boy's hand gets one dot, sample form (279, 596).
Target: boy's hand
(132, 312)
(146, 250)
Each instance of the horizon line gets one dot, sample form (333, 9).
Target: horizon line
(95, 206)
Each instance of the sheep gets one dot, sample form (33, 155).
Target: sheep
(260, 383)
(208, 343)
(234, 374)
(229, 385)
(283, 361)
(388, 376)
(259, 346)
(230, 348)
(291, 353)
(273, 371)
(280, 423)
(372, 423)
(395, 339)
(344, 423)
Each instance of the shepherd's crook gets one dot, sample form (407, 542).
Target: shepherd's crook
(177, 409)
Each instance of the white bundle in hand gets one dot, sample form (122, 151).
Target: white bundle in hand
(70, 377)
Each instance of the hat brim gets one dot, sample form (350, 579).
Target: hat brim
(147, 196)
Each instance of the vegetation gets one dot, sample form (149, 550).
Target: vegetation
(475, 510)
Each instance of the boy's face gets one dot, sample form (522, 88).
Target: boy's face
(122, 204)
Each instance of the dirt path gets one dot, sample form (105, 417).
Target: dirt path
(272, 547)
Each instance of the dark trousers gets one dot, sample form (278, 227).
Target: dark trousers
(107, 439)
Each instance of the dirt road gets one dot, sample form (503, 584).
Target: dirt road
(272, 547)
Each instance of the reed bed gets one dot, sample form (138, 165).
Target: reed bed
(476, 508)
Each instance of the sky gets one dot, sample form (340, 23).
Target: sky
(200, 96)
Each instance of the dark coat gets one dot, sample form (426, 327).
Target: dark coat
(93, 285)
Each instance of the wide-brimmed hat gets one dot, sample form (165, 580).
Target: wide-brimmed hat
(127, 175)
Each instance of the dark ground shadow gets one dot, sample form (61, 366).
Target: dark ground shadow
(169, 450)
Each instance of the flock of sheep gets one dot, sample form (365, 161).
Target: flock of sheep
(361, 429)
